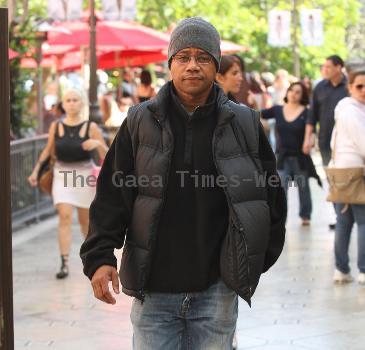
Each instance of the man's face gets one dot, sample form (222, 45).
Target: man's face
(330, 70)
(193, 71)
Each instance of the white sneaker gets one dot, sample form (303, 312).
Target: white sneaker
(234, 343)
(341, 278)
(361, 278)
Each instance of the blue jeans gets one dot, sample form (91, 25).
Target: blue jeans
(196, 321)
(291, 169)
(344, 223)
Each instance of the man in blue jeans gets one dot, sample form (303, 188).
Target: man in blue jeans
(189, 189)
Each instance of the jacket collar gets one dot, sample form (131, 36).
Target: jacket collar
(159, 104)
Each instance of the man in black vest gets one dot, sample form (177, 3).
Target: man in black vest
(189, 189)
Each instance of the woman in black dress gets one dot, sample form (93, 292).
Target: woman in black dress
(293, 164)
(71, 141)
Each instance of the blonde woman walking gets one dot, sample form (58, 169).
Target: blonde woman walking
(71, 141)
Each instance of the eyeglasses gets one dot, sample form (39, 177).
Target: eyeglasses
(359, 87)
(200, 59)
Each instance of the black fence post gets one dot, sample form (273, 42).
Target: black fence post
(6, 273)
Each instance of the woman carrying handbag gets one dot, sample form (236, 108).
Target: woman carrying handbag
(70, 144)
(345, 174)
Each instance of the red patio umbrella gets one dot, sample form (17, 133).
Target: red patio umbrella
(56, 50)
(31, 63)
(12, 54)
(120, 34)
(67, 62)
(72, 60)
(130, 58)
(133, 58)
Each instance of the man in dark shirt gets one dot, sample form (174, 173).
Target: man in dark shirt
(173, 259)
(326, 95)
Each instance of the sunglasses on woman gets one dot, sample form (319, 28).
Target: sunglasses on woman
(359, 87)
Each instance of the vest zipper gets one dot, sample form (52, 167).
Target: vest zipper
(248, 265)
(234, 253)
(235, 221)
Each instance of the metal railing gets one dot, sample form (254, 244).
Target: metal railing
(27, 202)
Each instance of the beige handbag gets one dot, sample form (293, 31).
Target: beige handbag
(347, 185)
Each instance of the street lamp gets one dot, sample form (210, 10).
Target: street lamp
(94, 111)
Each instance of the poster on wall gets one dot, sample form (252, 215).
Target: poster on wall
(312, 27)
(279, 28)
(114, 10)
(129, 10)
(65, 10)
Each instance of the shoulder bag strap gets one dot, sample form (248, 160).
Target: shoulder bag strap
(87, 129)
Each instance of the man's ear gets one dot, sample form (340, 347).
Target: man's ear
(219, 78)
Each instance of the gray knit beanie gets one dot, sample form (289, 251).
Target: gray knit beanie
(195, 32)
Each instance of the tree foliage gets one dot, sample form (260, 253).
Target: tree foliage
(245, 22)
(241, 21)
(22, 40)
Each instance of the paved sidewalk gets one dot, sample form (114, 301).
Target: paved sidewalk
(295, 307)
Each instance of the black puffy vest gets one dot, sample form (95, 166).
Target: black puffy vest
(235, 150)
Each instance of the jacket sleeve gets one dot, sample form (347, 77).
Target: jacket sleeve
(276, 200)
(110, 211)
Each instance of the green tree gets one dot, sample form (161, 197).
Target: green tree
(245, 22)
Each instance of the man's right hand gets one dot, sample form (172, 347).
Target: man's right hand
(100, 283)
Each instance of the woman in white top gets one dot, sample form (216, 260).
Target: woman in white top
(348, 139)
